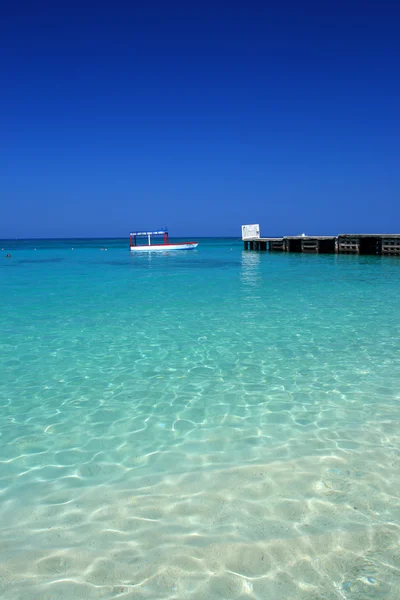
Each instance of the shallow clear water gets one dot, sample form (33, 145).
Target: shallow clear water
(211, 424)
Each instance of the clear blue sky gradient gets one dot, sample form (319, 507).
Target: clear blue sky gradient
(199, 116)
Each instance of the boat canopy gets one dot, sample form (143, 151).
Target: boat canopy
(137, 234)
(147, 233)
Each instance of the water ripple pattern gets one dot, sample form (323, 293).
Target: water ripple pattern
(217, 424)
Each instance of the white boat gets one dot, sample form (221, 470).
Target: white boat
(149, 247)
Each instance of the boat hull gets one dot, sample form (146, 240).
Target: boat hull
(164, 247)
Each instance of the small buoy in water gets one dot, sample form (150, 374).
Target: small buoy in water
(8, 256)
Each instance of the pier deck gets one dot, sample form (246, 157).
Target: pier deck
(345, 243)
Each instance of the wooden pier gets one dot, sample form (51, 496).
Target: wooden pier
(347, 243)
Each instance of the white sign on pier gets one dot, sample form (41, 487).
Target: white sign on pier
(250, 232)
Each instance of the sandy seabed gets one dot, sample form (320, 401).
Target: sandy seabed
(312, 521)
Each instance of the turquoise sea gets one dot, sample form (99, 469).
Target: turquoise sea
(211, 424)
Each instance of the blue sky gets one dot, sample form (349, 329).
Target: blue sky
(203, 117)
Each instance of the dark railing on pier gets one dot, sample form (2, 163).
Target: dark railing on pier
(347, 243)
